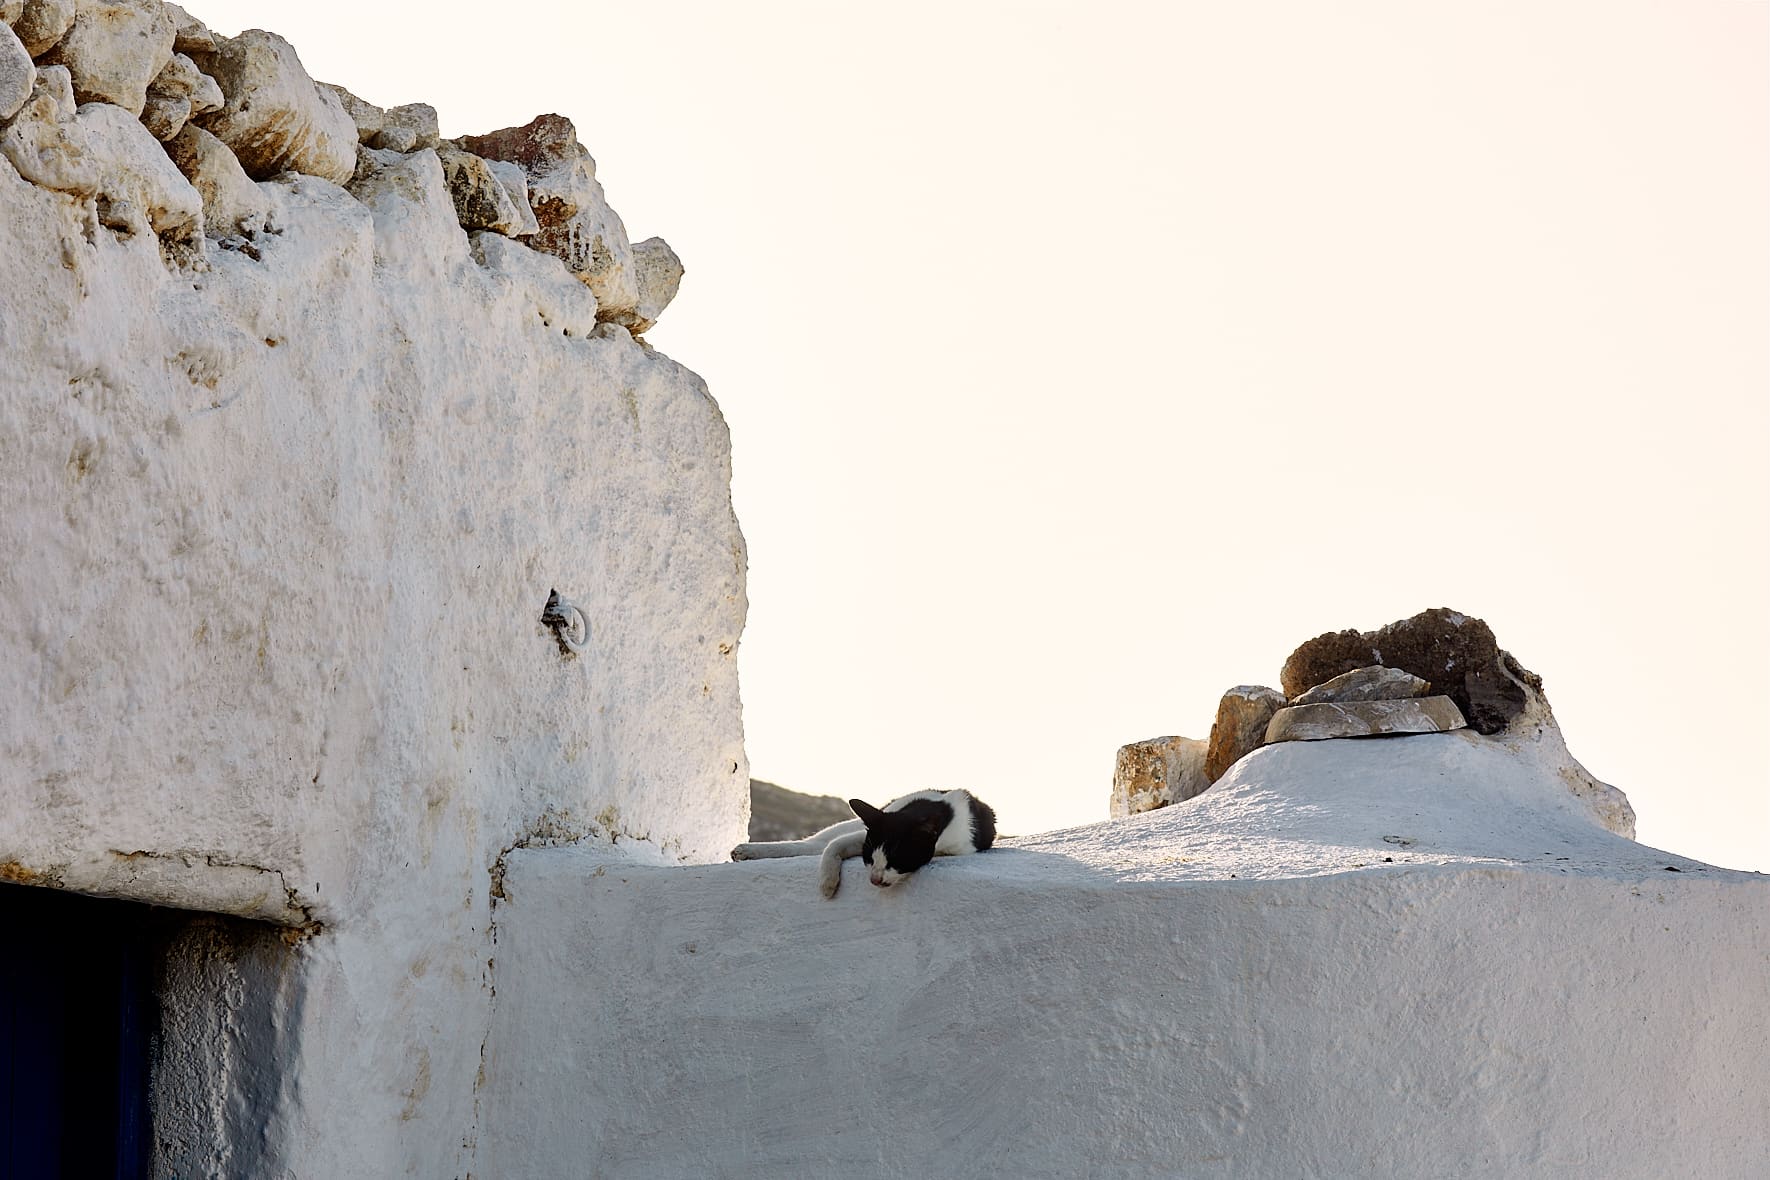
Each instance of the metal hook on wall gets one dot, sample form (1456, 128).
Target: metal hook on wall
(571, 626)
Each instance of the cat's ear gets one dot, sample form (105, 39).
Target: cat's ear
(865, 810)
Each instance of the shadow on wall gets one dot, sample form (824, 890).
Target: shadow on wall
(139, 1041)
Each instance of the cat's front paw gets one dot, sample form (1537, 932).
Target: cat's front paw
(743, 852)
(829, 883)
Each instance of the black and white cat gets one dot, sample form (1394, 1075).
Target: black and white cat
(894, 840)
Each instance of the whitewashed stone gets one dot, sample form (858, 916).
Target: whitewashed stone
(190, 35)
(55, 82)
(46, 144)
(407, 128)
(392, 138)
(176, 93)
(556, 301)
(1152, 774)
(516, 183)
(1375, 683)
(575, 220)
(41, 23)
(368, 117)
(182, 79)
(133, 168)
(114, 49)
(232, 203)
(164, 116)
(1347, 719)
(1240, 725)
(18, 77)
(275, 117)
(658, 274)
(481, 202)
(416, 230)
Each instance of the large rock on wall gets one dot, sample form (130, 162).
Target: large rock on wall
(1157, 772)
(41, 23)
(114, 49)
(18, 77)
(142, 189)
(1375, 683)
(576, 223)
(1456, 653)
(280, 531)
(1240, 726)
(231, 202)
(1327, 720)
(45, 141)
(275, 117)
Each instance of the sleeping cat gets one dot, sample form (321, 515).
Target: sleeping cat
(894, 840)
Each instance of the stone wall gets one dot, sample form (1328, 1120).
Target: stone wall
(293, 460)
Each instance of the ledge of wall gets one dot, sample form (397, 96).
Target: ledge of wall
(1409, 956)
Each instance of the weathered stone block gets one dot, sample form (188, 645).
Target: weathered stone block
(516, 183)
(657, 272)
(231, 201)
(1375, 683)
(275, 117)
(42, 23)
(133, 168)
(575, 221)
(1151, 774)
(114, 49)
(368, 117)
(165, 116)
(17, 75)
(44, 142)
(407, 128)
(481, 201)
(1345, 719)
(1240, 726)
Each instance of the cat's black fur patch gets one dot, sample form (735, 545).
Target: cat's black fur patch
(908, 835)
(983, 824)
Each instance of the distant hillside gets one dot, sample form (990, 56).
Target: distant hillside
(779, 814)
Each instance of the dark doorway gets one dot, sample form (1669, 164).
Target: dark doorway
(77, 1024)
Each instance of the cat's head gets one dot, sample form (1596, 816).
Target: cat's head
(898, 842)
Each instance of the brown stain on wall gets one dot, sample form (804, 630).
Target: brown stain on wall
(420, 1087)
(14, 873)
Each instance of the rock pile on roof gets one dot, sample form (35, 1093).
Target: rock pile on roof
(1438, 671)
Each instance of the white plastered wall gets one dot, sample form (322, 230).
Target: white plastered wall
(277, 536)
(1391, 957)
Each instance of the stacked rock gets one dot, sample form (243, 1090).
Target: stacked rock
(1154, 773)
(1344, 684)
(1365, 702)
(167, 128)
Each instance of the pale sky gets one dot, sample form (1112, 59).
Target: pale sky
(1083, 359)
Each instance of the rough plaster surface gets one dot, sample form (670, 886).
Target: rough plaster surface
(1414, 957)
(279, 525)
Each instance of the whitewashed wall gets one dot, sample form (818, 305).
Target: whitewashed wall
(277, 535)
(1359, 958)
